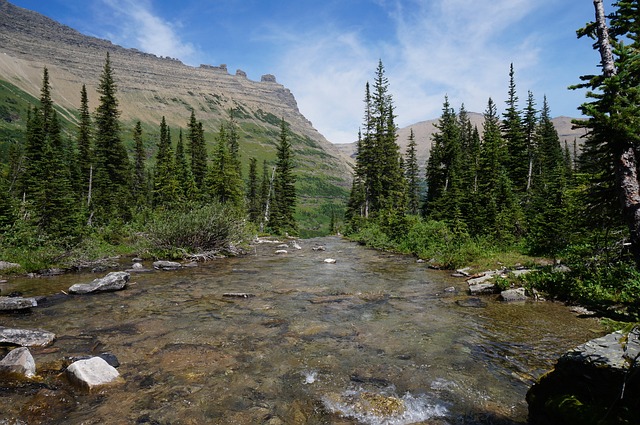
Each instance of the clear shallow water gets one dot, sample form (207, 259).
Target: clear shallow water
(372, 339)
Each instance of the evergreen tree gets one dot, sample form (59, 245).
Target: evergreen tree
(224, 181)
(517, 155)
(167, 191)
(470, 146)
(252, 196)
(140, 192)
(84, 146)
(281, 219)
(529, 125)
(7, 204)
(412, 175)
(112, 170)
(186, 182)
(499, 214)
(198, 151)
(265, 194)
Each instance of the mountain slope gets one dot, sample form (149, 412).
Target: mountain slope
(150, 87)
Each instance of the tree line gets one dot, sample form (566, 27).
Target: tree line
(60, 187)
(514, 182)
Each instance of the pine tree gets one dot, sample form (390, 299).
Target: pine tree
(186, 182)
(84, 146)
(470, 146)
(252, 196)
(282, 218)
(265, 194)
(167, 192)
(140, 185)
(197, 149)
(513, 133)
(412, 175)
(224, 181)
(529, 125)
(112, 170)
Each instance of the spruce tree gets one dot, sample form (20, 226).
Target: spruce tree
(140, 186)
(265, 194)
(413, 177)
(282, 218)
(186, 182)
(166, 192)
(84, 146)
(253, 196)
(112, 169)
(196, 147)
(530, 122)
(224, 182)
(517, 158)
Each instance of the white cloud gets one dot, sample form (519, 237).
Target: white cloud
(461, 48)
(139, 27)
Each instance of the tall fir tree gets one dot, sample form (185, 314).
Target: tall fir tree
(253, 195)
(224, 182)
(281, 219)
(112, 168)
(166, 189)
(529, 124)
(412, 174)
(140, 185)
(197, 149)
(515, 141)
(84, 146)
(186, 182)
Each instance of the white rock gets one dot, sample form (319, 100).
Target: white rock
(330, 260)
(19, 361)
(114, 281)
(93, 372)
(26, 337)
(166, 265)
(281, 251)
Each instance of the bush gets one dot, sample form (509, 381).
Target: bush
(207, 228)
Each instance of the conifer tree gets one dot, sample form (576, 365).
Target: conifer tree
(412, 175)
(186, 182)
(7, 204)
(167, 191)
(529, 125)
(197, 149)
(265, 193)
(112, 169)
(224, 181)
(84, 146)
(252, 196)
(517, 154)
(470, 146)
(281, 219)
(140, 194)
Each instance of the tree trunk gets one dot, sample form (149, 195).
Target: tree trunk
(626, 171)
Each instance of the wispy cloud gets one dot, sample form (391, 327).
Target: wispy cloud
(455, 47)
(138, 26)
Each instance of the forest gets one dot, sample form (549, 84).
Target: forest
(511, 193)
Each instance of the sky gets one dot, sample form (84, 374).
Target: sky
(325, 51)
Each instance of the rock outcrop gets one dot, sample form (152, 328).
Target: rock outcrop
(114, 281)
(595, 383)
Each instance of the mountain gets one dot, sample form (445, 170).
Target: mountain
(150, 87)
(424, 130)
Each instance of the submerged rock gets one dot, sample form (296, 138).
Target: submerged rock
(114, 281)
(166, 265)
(595, 383)
(19, 362)
(471, 302)
(516, 294)
(93, 372)
(16, 303)
(26, 337)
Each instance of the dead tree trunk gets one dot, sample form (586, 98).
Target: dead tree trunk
(626, 163)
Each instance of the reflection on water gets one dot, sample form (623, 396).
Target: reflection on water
(371, 339)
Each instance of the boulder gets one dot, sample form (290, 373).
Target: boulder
(26, 337)
(516, 294)
(5, 265)
(18, 362)
(16, 303)
(595, 383)
(166, 265)
(92, 373)
(114, 281)
(483, 288)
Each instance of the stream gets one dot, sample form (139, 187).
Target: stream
(371, 339)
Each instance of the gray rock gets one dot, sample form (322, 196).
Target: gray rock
(137, 266)
(16, 303)
(114, 281)
(92, 373)
(483, 288)
(471, 302)
(511, 295)
(330, 260)
(166, 265)
(281, 251)
(19, 362)
(26, 337)
(5, 265)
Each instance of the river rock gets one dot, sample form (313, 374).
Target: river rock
(19, 362)
(16, 303)
(92, 373)
(330, 260)
(516, 294)
(281, 251)
(166, 265)
(114, 281)
(26, 337)
(485, 288)
(5, 265)
(596, 382)
(471, 302)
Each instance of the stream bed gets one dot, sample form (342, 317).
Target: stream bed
(372, 339)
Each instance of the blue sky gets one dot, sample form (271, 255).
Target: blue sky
(325, 51)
